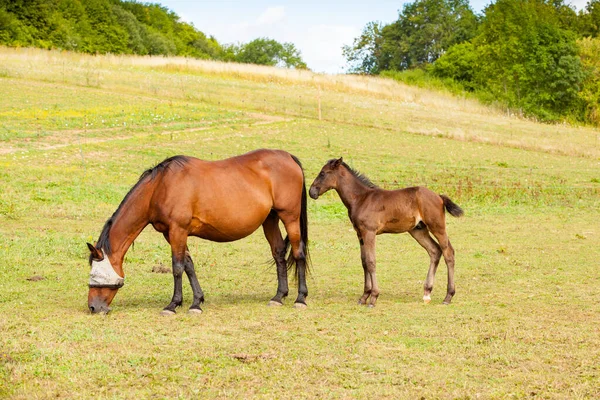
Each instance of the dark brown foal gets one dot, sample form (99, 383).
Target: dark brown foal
(373, 211)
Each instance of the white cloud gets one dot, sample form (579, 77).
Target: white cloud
(271, 16)
(321, 46)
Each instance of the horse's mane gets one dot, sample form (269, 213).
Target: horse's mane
(362, 178)
(151, 173)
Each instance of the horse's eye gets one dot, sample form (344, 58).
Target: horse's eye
(321, 174)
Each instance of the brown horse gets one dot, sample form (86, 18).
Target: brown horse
(373, 211)
(221, 201)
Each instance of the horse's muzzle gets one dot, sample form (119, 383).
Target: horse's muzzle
(313, 193)
(98, 306)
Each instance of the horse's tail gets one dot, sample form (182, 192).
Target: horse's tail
(452, 207)
(291, 262)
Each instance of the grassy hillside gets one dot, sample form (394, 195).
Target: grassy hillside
(76, 131)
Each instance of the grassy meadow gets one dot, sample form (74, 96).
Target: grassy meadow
(76, 131)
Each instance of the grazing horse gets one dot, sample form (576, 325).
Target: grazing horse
(373, 211)
(221, 201)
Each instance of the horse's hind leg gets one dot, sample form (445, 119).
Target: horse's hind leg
(292, 226)
(448, 252)
(273, 235)
(421, 235)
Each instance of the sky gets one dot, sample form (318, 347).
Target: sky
(319, 29)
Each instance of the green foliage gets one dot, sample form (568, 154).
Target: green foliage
(590, 20)
(459, 64)
(521, 54)
(126, 27)
(423, 79)
(424, 30)
(522, 57)
(530, 60)
(364, 54)
(264, 51)
(589, 50)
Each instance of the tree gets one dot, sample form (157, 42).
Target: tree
(589, 50)
(266, 51)
(523, 57)
(364, 54)
(590, 25)
(425, 29)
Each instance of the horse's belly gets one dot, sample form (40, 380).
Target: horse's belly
(228, 227)
(209, 232)
(398, 225)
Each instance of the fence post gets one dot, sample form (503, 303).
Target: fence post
(319, 100)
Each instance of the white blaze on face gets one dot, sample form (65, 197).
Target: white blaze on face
(103, 274)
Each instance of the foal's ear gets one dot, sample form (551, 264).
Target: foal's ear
(96, 254)
(338, 162)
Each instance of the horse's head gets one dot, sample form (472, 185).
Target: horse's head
(104, 281)
(327, 178)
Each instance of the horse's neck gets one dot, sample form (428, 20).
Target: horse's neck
(132, 218)
(351, 190)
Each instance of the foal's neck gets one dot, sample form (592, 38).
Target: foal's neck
(350, 189)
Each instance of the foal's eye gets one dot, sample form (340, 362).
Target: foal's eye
(321, 174)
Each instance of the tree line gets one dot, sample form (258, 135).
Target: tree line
(127, 27)
(537, 57)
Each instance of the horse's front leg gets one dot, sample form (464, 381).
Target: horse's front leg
(363, 258)
(196, 289)
(177, 239)
(368, 260)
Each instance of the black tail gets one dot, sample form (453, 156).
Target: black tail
(452, 207)
(291, 263)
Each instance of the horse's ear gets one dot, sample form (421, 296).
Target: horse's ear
(338, 162)
(96, 254)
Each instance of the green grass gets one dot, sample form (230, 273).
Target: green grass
(524, 323)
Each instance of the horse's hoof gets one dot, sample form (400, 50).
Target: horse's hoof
(446, 303)
(274, 303)
(427, 299)
(300, 306)
(370, 305)
(167, 312)
(194, 311)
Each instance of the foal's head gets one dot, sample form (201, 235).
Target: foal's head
(327, 178)
(104, 281)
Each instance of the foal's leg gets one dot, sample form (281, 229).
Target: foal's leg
(435, 253)
(273, 235)
(292, 226)
(368, 259)
(363, 258)
(448, 252)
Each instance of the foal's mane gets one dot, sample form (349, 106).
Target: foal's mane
(362, 178)
(151, 173)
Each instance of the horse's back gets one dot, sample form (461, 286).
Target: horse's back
(226, 199)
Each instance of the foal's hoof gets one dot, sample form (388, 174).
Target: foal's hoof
(167, 312)
(427, 299)
(370, 305)
(274, 303)
(300, 306)
(194, 311)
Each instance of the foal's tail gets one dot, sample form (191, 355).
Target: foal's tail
(452, 207)
(291, 262)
